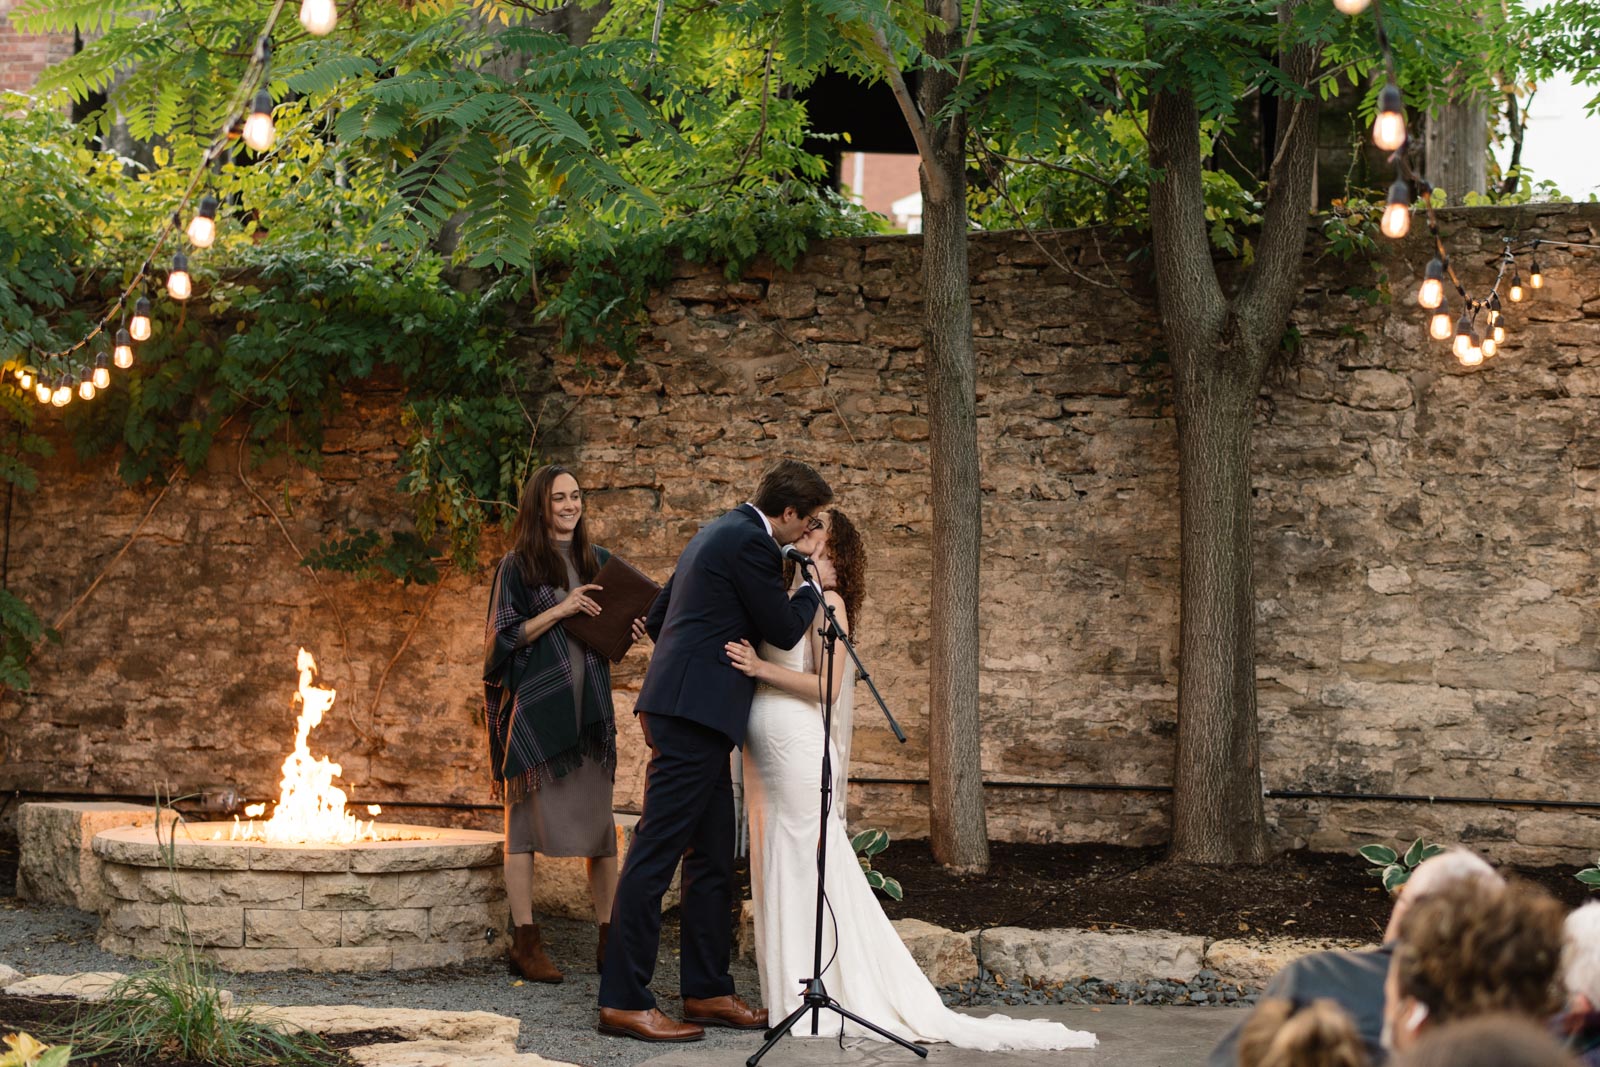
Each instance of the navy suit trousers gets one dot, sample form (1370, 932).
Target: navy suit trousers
(688, 812)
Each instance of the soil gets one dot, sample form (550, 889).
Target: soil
(51, 1018)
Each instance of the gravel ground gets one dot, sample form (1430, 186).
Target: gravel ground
(557, 1021)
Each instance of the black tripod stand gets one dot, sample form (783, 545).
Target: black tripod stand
(815, 998)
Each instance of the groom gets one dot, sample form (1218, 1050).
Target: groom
(693, 708)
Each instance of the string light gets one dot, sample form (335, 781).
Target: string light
(1535, 275)
(203, 227)
(1466, 337)
(1489, 347)
(63, 391)
(1515, 292)
(122, 355)
(1397, 212)
(139, 325)
(1431, 295)
(259, 132)
(25, 377)
(1389, 128)
(102, 370)
(179, 284)
(42, 390)
(319, 16)
(1439, 326)
(86, 383)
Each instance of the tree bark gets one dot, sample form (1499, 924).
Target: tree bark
(959, 829)
(1456, 141)
(1219, 349)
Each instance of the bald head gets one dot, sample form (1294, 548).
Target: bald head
(1445, 869)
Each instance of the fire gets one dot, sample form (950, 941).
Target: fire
(310, 807)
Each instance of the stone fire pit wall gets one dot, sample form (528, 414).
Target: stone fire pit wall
(371, 906)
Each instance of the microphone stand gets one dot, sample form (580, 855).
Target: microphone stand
(815, 997)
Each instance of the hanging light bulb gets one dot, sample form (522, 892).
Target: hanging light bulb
(1431, 295)
(1515, 292)
(258, 129)
(203, 227)
(1489, 347)
(319, 16)
(102, 369)
(1499, 332)
(179, 284)
(42, 390)
(139, 325)
(1535, 275)
(1466, 337)
(63, 391)
(1389, 128)
(122, 355)
(1351, 7)
(25, 378)
(86, 383)
(1470, 356)
(1397, 212)
(1440, 326)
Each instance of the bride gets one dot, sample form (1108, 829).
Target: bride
(867, 967)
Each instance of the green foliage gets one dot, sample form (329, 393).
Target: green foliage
(1393, 867)
(364, 554)
(866, 845)
(1589, 876)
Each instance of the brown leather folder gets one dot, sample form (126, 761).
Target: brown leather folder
(625, 594)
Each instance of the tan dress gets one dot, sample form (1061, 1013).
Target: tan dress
(571, 815)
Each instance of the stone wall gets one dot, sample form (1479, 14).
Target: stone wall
(1427, 591)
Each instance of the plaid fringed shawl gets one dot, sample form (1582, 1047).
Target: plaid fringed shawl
(534, 736)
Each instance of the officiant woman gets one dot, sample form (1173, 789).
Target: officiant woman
(547, 701)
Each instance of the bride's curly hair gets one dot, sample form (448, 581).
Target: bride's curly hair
(849, 563)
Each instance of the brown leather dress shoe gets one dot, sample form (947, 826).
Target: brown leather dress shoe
(730, 1011)
(647, 1025)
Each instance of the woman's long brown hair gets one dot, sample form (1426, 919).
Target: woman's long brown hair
(534, 549)
(849, 558)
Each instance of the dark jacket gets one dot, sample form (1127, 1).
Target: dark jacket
(1353, 979)
(728, 586)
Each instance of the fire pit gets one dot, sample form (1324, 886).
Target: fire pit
(311, 887)
(429, 898)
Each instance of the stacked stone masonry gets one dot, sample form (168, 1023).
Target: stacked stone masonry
(1426, 585)
(371, 906)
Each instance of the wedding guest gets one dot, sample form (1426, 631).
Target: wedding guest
(1487, 1041)
(547, 702)
(1579, 1022)
(1354, 979)
(1470, 950)
(1287, 1033)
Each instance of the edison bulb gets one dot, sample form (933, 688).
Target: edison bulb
(202, 227)
(1396, 220)
(259, 132)
(139, 325)
(319, 16)
(25, 379)
(1489, 347)
(1499, 333)
(1351, 7)
(1470, 356)
(1516, 291)
(86, 387)
(63, 394)
(179, 284)
(1389, 127)
(121, 355)
(1431, 295)
(1536, 279)
(1439, 325)
(42, 390)
(1461, 345)
(102, 371)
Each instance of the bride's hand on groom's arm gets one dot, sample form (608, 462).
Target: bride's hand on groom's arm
(743, 657)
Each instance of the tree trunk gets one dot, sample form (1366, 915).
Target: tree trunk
(1217, 811)
(959, 830)
(1220, 346)
(1457, 145)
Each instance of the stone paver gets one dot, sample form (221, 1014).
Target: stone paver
(1114, 955)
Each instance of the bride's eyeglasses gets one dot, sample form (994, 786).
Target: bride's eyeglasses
(813, 524)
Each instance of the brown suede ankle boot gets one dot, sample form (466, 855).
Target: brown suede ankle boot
(600, 949)
(527, 956)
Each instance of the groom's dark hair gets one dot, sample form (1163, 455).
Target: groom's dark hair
(789, 483)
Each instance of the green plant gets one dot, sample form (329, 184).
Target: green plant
(1395, 868)
(867, 844)
(27, 1052)
(1589, 876)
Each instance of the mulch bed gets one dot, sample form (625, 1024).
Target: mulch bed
(1299, 894)
(47, 1018)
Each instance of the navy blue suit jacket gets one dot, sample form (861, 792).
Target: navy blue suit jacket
(728, 586)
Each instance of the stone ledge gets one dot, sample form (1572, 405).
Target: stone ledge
(56, 861)
(1069, 954)
(446, 1054)
(473, 1027)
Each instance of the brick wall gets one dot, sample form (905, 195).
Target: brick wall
(24, 56)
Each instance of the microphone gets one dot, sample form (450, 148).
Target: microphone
(791, 552)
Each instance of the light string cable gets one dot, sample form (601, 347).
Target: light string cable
(60, 364)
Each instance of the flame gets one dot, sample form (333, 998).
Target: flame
(310, 807)
(253, 810)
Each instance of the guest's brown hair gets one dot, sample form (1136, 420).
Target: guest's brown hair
(789, 483)
(533, 548)
(1472, 948)
(1282, 1033)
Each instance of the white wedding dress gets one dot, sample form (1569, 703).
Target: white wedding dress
(872, 973)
